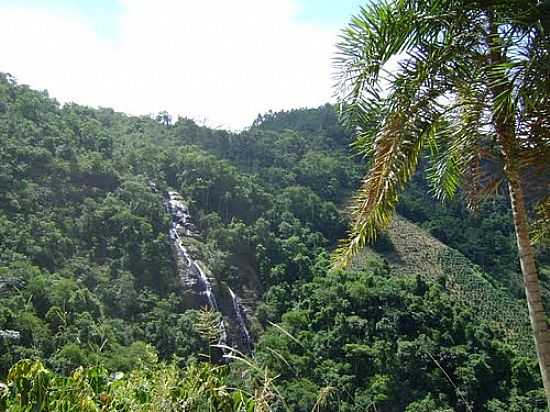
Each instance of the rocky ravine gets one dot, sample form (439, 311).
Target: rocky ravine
(200, 287)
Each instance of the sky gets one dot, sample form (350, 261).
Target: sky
(220, 62)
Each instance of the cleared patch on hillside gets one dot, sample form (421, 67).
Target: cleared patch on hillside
(411, 251)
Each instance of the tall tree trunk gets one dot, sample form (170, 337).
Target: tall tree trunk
(530, 280)
(505, 128)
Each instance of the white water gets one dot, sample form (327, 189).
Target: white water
(10, 334)
(181, 224)
(206, 287)
(240, 316)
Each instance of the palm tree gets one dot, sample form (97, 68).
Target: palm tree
(466, 82)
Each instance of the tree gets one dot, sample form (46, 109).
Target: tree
(471, 87)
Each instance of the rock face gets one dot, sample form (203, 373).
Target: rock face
(9, 283)
(198, 290)
(197, 285)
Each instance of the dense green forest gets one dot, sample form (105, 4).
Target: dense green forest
(92, 313)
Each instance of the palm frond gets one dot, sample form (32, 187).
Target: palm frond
(392, 131)
(457, 160)
(381, 31)
(396, 152)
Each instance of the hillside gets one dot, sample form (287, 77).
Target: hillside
(408, 250)
(135, 250)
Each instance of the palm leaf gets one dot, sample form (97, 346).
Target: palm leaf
(394, 130)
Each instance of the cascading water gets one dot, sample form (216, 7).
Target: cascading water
(192, 275)
(10, 334)
(198, 290)
(240, 317)
(206, 286)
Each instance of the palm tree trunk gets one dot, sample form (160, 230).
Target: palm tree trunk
(505, 129)
(530, 279)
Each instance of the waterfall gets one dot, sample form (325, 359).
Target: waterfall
(240, 317)
(206, 287)
(10, 334)
(193, 275)
(195, 280)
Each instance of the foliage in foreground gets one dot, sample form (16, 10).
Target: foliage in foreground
(198, 387)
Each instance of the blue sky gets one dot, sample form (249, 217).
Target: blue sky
(220, 62)
(332, 12)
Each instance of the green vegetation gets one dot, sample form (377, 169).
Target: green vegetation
(383, 342)
(415, 252)
(93, 316)
(471, 91)
(164, 388)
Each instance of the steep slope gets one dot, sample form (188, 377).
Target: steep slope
(196, 279)
(88, 275)
(409, 250)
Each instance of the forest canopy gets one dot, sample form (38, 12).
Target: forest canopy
(95, 314)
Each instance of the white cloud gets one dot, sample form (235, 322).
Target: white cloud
(217, 60)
